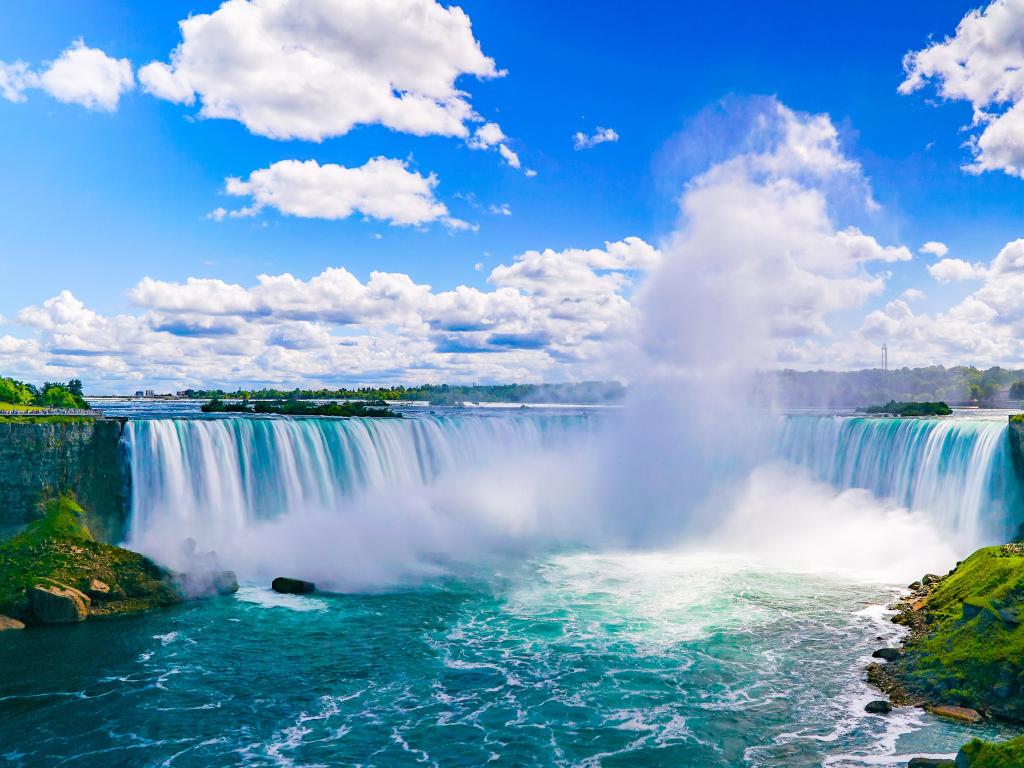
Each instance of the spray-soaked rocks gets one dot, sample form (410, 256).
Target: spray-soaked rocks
(291, 586)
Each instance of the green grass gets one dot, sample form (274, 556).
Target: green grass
(44, 419)
(15, 407)
(60, 547)
(987, 754)
(974, 661)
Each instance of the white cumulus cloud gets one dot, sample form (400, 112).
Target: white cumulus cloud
(80, 75)
(956, 270)
(981, 63)
(934, 248)
(312, 69)
(383, 189)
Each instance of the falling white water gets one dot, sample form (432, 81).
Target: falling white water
(372, 493)
(957, 473)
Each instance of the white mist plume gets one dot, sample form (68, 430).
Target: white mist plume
(755, 267)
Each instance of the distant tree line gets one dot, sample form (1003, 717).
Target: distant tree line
(587, 392)
(53, 394)
(960, 384)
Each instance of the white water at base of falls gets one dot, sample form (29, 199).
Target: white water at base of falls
(957, 472)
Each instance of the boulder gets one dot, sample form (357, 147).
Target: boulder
(963, 714)
(54, 603)
(225, 582)
(930, 762)
(914, 586)
(930, 578)
(290, 586)
(6, 622)
(879, 707)
(888, 654)
(98, 590)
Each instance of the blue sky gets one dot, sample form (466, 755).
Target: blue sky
(94, 200)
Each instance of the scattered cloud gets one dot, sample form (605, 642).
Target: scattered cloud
(545, 314)
(913, 294)
(956, 270)
(382, 189)
(15, 79)
(80, 75)
(581, 140)
(934, 248)
(981, 63)
(500, 210)
(313, 69)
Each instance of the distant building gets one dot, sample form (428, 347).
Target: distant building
(140, 393)
(182, 393)
(150, 393)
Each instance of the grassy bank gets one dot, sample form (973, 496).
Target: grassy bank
(59, 547)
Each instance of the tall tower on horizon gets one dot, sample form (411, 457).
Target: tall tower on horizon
(885, 358)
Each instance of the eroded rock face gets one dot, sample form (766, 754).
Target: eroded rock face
(291, 586)
(6, 623)
(58, 603)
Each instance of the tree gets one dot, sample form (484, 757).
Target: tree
(14, 392)
(1017, 390)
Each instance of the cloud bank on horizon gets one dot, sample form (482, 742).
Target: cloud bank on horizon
(779, 222)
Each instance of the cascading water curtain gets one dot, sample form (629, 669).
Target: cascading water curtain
(218, 475)
(957, 471)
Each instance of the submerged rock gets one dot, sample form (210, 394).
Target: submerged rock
(887, 654)
(54, 603)
(291, 586)
(6, 622)
(225, 582)
(930, 762)
(878, 707)
(963, 714)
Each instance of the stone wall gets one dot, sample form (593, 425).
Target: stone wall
(85, 458)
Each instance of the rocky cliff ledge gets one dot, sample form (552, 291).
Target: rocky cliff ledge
(83, 457)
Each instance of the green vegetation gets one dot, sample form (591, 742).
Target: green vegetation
(376, 409)
(986, 754)
(17, 396)
(892, 408)
(583, 393)
(961, 384)
(969, 650)
(60, 547)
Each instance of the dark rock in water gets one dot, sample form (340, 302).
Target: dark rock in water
(6, 622)
(930, 762)
(914, 586)
(888, 654)
(292, 586)
(879, 707)
(225, 582)
(54, 603)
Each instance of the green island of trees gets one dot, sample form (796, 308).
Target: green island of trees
(376, 409)
(586, 392)
(892, 408)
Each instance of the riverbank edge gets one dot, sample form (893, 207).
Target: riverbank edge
(959, 658)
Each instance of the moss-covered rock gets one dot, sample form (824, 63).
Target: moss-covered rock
(986, 754)
(966, 647)
(59, 553)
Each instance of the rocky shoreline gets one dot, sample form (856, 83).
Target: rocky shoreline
(56, 572)
(963, 655)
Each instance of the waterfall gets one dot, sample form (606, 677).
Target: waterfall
(211, 478)
(956, 471)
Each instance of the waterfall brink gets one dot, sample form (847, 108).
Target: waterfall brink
(958, 472)
(215, 480)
